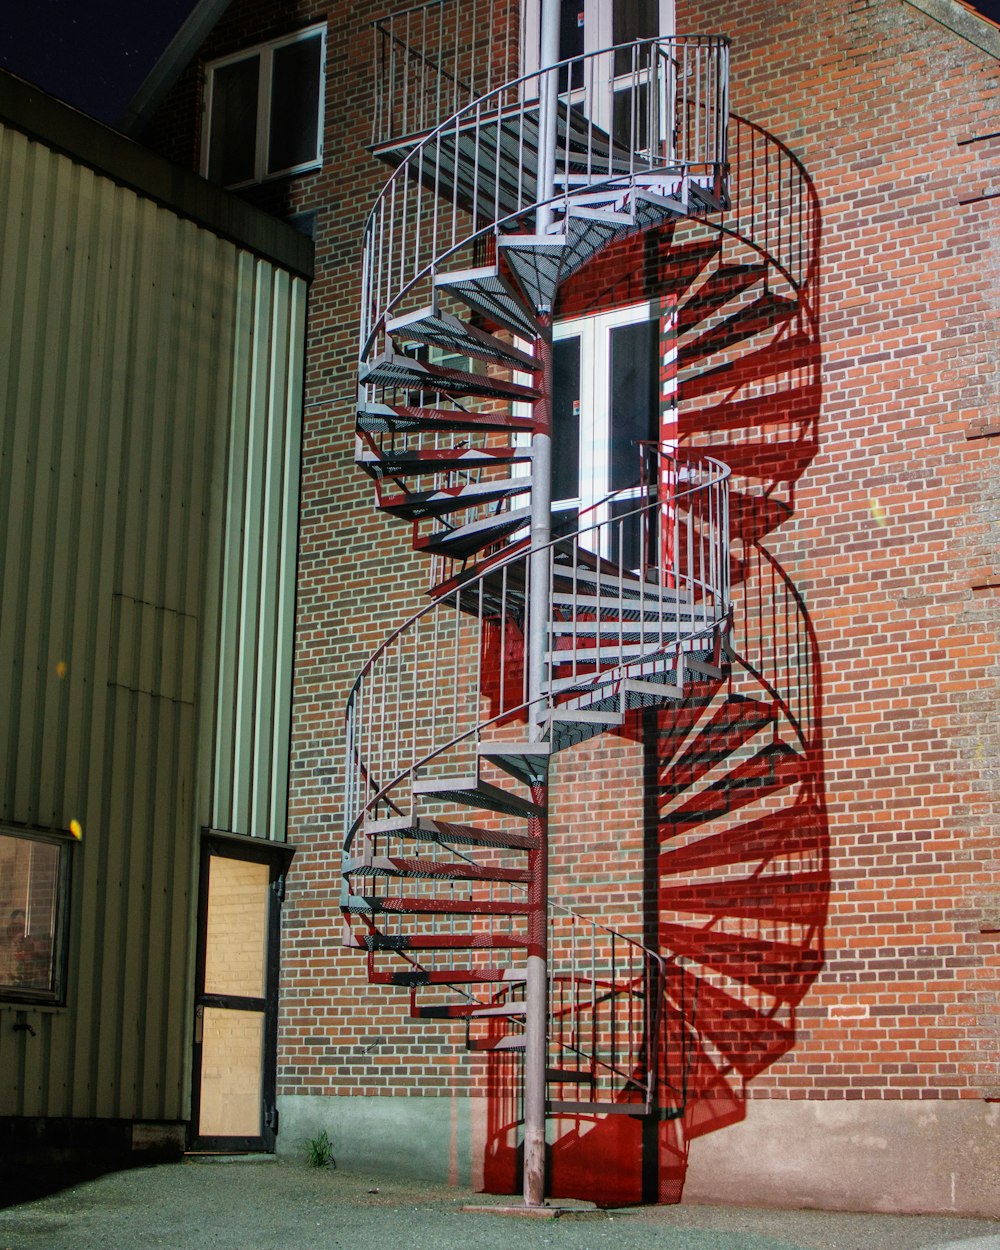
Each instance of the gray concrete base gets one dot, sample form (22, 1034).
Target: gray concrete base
(906, 1157)
(431, 1139)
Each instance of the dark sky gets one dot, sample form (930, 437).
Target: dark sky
(95, 53)
(92, 53)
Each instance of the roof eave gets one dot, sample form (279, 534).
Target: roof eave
(179, 53)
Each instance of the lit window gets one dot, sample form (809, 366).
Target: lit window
(34, 879)
(264, 110)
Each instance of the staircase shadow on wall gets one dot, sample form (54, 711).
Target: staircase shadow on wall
(736, 869)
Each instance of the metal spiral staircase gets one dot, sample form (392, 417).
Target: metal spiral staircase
(450, 734)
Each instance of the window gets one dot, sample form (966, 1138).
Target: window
(264, 110)
(608, 400)
(34, 881)
(612, 93)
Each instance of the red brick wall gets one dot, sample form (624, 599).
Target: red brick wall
(887, 523)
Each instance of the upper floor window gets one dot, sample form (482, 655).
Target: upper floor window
(589, 25)
(34, 885)
(613, 91)
(264, 110)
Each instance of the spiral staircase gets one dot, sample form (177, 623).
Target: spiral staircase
(449, 737)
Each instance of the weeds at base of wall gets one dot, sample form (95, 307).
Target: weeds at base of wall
(319, 1151)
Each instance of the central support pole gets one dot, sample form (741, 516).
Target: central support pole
(548, 105)
(536, 973)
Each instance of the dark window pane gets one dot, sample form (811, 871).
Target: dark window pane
(635, 520)
(295, 74)
(571, 41)
(634, 398)
(633, 19)
(566, 521)
(566, 419)
(233, 134)
(29, 888)
(629, 122)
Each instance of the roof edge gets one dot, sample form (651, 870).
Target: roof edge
(172, 62)
(64, 129)
(962, 21)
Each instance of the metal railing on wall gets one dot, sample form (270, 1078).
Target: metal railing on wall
(649, 107)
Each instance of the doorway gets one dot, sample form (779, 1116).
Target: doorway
(610, 396)
(236, 994)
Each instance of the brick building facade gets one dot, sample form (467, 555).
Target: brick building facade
(826, 876)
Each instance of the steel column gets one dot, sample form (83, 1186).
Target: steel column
(548, 107)
(536, 985)
(536, 1006)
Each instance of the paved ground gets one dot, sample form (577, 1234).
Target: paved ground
(282, 1205)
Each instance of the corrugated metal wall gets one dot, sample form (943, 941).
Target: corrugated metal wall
(150, 389)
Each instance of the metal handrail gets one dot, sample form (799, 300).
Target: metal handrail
(684, 589)
(414, 48)
(473, 174)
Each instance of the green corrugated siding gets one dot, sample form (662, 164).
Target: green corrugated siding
(148, 496)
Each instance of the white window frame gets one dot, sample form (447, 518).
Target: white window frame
(266, 53)
(597, 28)
(594, 332)
(597, 32)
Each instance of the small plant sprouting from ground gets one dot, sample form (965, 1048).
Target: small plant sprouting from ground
(319, 1151)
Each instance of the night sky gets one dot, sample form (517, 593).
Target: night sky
(93, 54)
(96, 53)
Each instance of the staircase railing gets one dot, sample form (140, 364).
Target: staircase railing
(665, 112)
(606, 1002)
(432, 59)
(455, 670)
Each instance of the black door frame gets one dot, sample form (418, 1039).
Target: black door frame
(277, 856)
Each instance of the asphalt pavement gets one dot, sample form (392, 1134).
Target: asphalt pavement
(282, 1204)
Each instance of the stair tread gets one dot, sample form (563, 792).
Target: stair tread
(390, 463)
(412, 866)
(446, 499)
(441, 941)
(487, 292)
(523, 760)
(466, 540)
(430, 906)
(446, 976)
(476, 793)
(394, 370)
(450, 831)
(442, 329)
(377, 417)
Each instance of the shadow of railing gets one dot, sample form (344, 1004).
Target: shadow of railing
(736, 874)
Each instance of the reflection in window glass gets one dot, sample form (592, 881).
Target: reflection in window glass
(233, 139)
(231, 1073)
(30, 893)
(566, 418)
(236, 934)
(571, 40)
(634, 397)
(630, 117)
(266, 110)
(632, 19)
(295, 75)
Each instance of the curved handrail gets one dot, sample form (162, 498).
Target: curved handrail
(508, 557)
(434, 665)
(680, 124)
